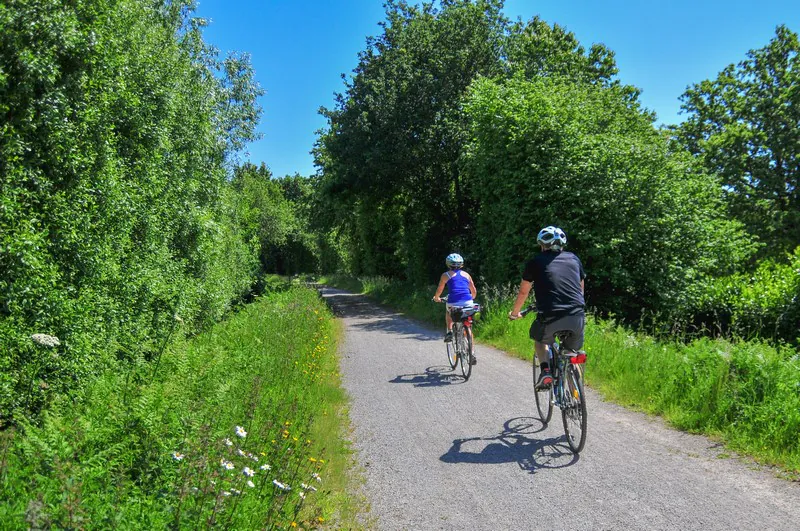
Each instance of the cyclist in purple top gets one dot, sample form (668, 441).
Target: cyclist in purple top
(460, 289)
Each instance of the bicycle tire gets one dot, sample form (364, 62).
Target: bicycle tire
(452, 354)
(544, 397)
(573, 411)
(464, 349)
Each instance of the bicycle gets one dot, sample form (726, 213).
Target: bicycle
(461, 350)
(566, 391)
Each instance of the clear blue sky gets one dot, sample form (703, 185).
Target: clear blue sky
(299, 50)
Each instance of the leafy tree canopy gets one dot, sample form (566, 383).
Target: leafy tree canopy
(745, 126)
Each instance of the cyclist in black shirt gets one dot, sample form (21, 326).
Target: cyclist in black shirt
(557, 278)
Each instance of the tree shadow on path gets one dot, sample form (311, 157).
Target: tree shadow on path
(435, 376)
(515, 443)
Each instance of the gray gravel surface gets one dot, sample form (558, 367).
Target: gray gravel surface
(441, 453)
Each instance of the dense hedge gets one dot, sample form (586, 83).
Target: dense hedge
(646, 224)
(115, 215)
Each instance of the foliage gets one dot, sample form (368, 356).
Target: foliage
(154, 449)
(275, 217)
(645, 223)
(762, 304)
(744, 126)
(114, 215)
(390, 155)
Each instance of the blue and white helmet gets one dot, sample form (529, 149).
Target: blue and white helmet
(454, 260)
(552, 238)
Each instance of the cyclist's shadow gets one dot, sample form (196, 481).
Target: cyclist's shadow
(435, 376)
(516, 443)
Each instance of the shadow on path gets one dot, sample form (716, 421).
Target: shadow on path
(377, 318)
(514, 444)
(435, 376)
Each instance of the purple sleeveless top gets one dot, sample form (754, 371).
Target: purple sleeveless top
(458, 289)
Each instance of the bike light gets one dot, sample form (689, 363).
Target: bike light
(580, 358)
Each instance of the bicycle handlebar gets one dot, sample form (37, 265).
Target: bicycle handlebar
(527, 310)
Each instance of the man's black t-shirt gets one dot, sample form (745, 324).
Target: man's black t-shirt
(556, 278)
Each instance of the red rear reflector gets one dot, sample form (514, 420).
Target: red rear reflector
(580, 358)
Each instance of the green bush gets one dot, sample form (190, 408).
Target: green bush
(762, 304)
(115, 215)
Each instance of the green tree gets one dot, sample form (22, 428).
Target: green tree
(646, 223)
(390, 157)
(115, 213)
(745, 126)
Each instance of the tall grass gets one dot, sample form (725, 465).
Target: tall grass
(746, 393)
(239, 428)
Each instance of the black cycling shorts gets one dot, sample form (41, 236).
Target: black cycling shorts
(545, 327)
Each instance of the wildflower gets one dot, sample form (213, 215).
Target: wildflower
(44, 340)
(240, 452)
(294, 524)
(235, 492)
(240, 432)
(303, 486)
(249, 472)
(265, 467)
(280, 485)
(226, 493)
(312, 488)
(302, 495)
(313, 460)
(250, 484)
(227, 465)
(228, 442)
(316, 476)
(177, 456)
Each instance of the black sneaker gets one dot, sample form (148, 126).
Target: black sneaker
(473, 360)
(545, 380)
(448, 337)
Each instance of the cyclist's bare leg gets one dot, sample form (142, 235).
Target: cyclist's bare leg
(448, 320)
(541, 352)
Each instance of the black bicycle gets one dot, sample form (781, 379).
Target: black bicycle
(566, 391)
(461, 350)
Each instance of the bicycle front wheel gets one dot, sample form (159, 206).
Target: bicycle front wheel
(573, 412)
(544, 397)
(452, 354)
(464, 350)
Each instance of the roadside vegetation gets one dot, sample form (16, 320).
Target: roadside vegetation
(241, 427)
(142, 327)
(744, 393)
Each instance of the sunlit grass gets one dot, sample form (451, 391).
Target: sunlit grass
(240, 428)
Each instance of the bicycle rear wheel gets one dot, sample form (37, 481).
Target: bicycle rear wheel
(544, 402)
(464, 350)
(573, 412)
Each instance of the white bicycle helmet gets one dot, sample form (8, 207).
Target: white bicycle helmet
(454, 260)
(552, 238)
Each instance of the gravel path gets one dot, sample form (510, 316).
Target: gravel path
(441, 453)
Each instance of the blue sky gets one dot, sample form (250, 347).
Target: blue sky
(299, 50)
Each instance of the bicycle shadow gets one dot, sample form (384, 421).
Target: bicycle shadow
(514, 444)
(434, 376)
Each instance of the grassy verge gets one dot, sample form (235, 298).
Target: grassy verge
(239, 428)
(745, 393)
